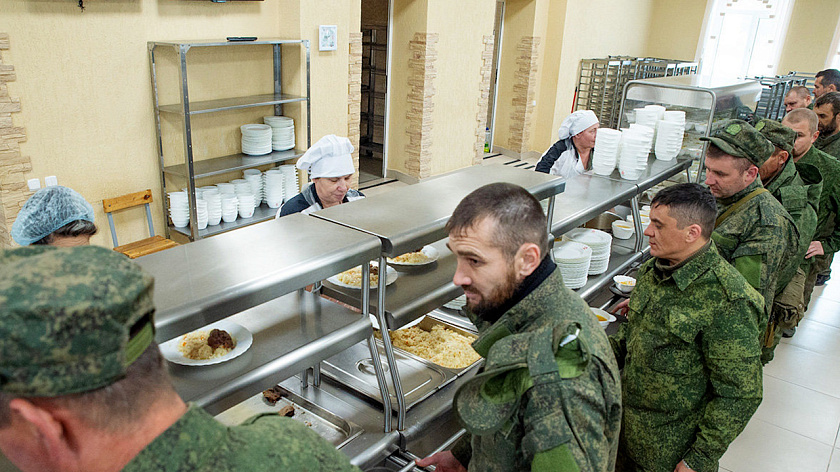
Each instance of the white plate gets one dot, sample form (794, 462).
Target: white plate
(428, 251)
(375, 322)
(390, 277)
(243, 338)
(609, 316)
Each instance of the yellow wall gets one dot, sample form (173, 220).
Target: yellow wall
(675, 28)
(83, 80)
(809, 36)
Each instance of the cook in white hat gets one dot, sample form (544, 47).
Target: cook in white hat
(330, 166)
(571, 154)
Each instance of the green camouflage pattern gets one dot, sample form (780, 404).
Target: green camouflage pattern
(691, 373)
(580, 413)
(737, 138)
(267, 442)
(827, 232)
(780, 135)
(819, 265)
(829, 145)
(788, 311)
(761, 237)
(65, 318)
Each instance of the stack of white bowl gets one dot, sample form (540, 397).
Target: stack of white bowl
(290, 181)
(572, 258)
(226, 188)
(179, 209)
(214, 205)
(599, 241)
(659, 109)
(246, 197)
(647, 117)
(201, 213)
(669, 135)
(230, 208)
(282, 132)
(605, 155)
(635, 148)
(256, 139)
(255, 178)
(274, 188)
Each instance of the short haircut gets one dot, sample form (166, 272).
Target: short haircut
(741, 163)
(518, 215)
(830, 77)
(832, 98)
(800, 91)
(114, 407)
(803, 114)
(72, 229)
(689, 204)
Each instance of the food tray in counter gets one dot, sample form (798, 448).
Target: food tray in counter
(329, 426)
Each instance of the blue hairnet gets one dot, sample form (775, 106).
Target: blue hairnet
(48, 210)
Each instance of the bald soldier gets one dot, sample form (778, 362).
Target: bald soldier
(781, 177)
(797, 97)
(83, 386)
(826, 240)
(753, 231)
(827, 108)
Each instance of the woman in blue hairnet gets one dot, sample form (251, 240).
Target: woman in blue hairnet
(572, 153)
(55, 216)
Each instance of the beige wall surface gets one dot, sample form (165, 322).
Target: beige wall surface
(84, 84)
(675, 28)
(812, 26)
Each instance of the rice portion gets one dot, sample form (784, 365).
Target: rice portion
(354, 276)
(416, 257)
(194, 346)
(441, 345)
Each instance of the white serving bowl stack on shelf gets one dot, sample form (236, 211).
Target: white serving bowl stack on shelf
(256, 139)
(255, 178)
(605, 154)
(282, 132)
(635, 148)
(246, 198)
(201, 213)
(599, 241)
(646, 117)
(214, 205)
(179, 209)
(669, 135)
(274, 180)
(573, 259)
(230, 208)
(290, 181)
(226, 188)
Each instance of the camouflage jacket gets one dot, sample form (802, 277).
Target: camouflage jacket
(829, 145)
(580, 415)
(827, 232)
(197, 442)
(690, 356)
(801, 200)
(760, 239)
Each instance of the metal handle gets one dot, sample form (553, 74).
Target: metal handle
(443, 447)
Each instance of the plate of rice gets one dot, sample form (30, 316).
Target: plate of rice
(353, 278)
(423, 256)
(203, 346)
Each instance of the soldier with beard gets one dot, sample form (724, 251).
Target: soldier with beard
(549, 396)
(827, 108)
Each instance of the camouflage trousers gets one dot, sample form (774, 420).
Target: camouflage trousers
(788, 310)
(820, 265)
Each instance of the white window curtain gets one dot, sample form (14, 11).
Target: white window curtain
(833, 60)
(744, 38)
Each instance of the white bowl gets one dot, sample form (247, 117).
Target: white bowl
(622, 229)
(624, 283)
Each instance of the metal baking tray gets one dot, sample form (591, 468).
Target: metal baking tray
(329, 426)
(426, 324)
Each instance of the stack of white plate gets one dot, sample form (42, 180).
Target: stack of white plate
(669, 139)
(214, 205)
(573, 259)
(256, 139)
(255, 178)
(282, 132)
(201, 213)
(290, 181)
(635, 148)
(274, 188)
(179, 209)
(605, 154)
(599, 241)
(230, 208)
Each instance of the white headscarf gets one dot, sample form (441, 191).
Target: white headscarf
(329, 157)
(576, 123)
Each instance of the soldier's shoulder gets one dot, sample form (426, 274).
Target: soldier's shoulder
(733, 285)
(771, 212)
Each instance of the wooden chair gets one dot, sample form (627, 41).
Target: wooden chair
(143, 247)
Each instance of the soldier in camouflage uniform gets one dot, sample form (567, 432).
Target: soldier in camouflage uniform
(691, 374)
(826, 240)
(753, 231)
(83, 385)
(827, 108)
(549, 397)
(780, 176)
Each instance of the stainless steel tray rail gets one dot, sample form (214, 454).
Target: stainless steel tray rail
(413, 216)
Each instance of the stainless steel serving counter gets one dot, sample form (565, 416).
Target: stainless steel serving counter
(587, 196)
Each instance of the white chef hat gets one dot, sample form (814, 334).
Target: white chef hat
(329, 157)
(575, 123)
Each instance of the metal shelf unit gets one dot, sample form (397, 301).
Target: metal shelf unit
(192, 169)
(374, 79)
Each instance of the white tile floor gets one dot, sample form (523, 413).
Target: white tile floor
(796, 427)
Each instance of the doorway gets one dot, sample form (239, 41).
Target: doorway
(373, 121)
(494, 76)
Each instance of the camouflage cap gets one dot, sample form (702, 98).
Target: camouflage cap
(737, 138)
(780, 135)
(71, 319)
